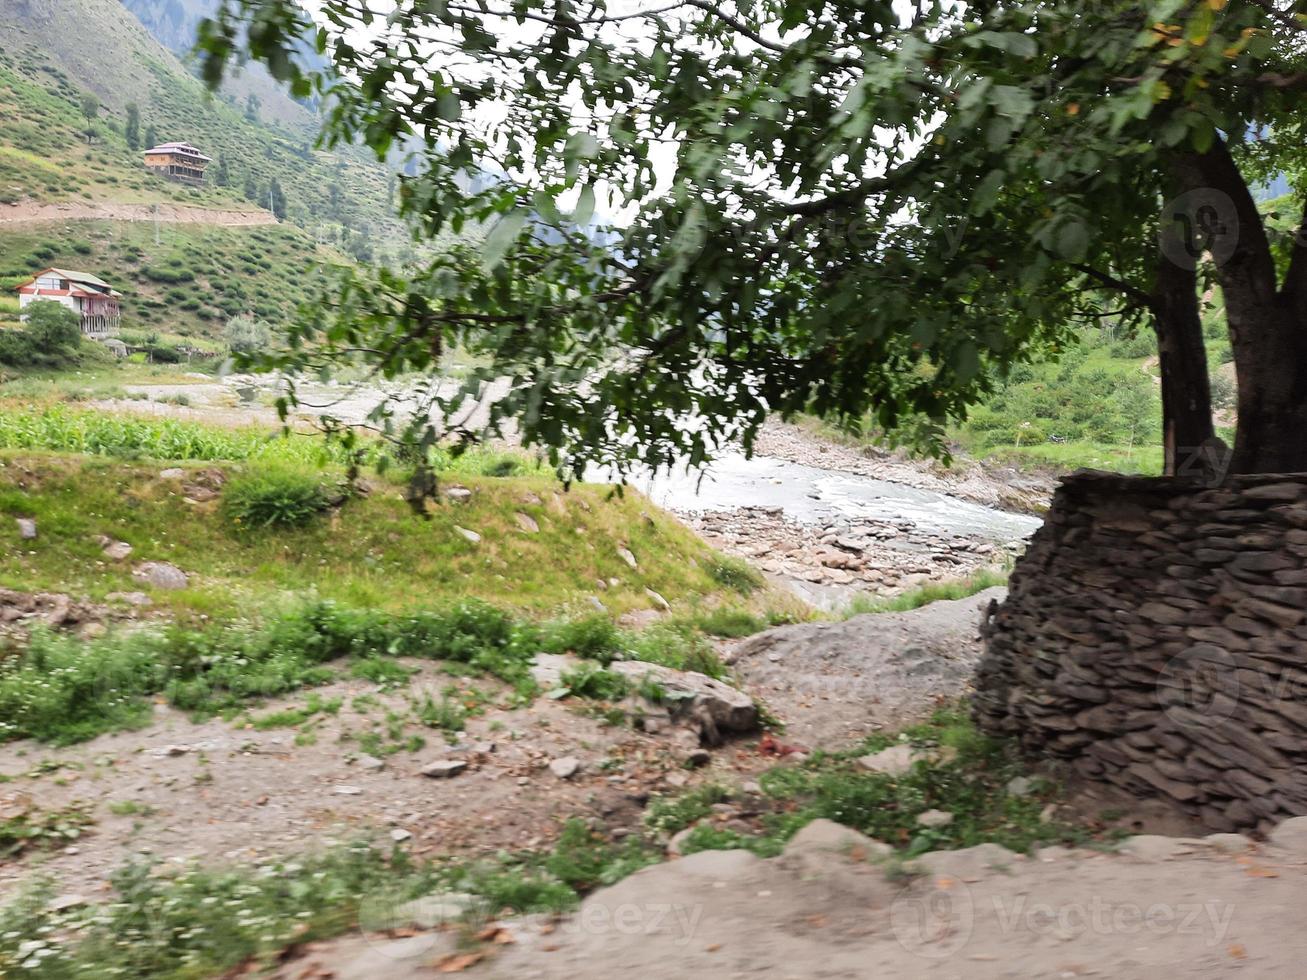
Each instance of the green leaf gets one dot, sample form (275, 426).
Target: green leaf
(1071, 240)
(585, 206)
(501, 238)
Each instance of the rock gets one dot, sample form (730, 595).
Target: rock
(698, 759)
(1020, 786)
(695, 695)
(161, 575)
(70, 901)
(174, 473)
(566, 767)
(658, 601)
(347, 791)
(1152, 847)
(968, 862)
(458, 495)
(131, 598)
(597, 603)
(92, 631)
(371, 763)
(399, 835)
(934, 819)
(197, 494)
(527, 523)
(1229, 843)
(547, 669)
(444, 769)
(117, 550)
(428, 912)
(896, 760)
(824, 837)
(469, 534)
(627, 557)
(676, 846)
(26, 528)
(1291, 836)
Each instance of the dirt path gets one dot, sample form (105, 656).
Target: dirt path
(30, 212)
(1212, 907)
(230, 791)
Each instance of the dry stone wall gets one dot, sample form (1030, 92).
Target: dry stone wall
(1155, 635)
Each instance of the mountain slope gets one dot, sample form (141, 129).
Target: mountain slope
(174, 23)
(47, 64)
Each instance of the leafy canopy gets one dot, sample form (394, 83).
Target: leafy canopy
(708, 211)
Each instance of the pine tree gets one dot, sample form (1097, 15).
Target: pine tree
(277, 200)
(151, 137)
(221, 176)
(133, 130)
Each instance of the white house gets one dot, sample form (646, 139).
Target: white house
(90, 297)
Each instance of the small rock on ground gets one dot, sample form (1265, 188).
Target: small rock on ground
(444, 769)
(566, 767)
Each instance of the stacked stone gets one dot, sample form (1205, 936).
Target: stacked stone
(1155, 634)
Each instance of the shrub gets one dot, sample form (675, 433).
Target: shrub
(52, 337)
(734, 573)
(273, 497)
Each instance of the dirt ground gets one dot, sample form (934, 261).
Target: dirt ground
(1210, 907)
(228, 791)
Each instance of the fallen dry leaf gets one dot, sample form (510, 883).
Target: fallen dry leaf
(458, 962)
(1237, 951)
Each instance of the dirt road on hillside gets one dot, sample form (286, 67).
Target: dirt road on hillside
(30, 212)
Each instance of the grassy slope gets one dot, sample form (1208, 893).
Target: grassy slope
(376, 553)
(196, 278)
(47, 65)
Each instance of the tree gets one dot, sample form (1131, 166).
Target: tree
(276, 200)
(221, 175)
(90, 110)
(151, 137)
(861, 209)
(251, 188)
(132, 131)
(252, 106)
(246, 335)
(51, 337)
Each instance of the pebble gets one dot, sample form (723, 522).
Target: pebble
(566, 767)
(371, 763)
(934, 819)
(26, 528)
(444, 769)
(348, 791)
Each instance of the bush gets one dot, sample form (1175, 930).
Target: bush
(734, 573)
(273, 497)
(51, 338)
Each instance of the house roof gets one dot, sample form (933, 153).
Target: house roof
(183, 148)
(100, 287)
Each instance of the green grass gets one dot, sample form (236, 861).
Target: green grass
(189, 283)
(197, 922)
(931, 592)
(375, 552)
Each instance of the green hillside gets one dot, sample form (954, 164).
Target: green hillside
(46, 69)
(196, 275)
(191, 282)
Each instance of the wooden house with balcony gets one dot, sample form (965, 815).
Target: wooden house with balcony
(91, 298)
(177, 161)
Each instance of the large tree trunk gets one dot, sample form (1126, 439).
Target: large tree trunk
(1268, 327)
(1187, 433)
